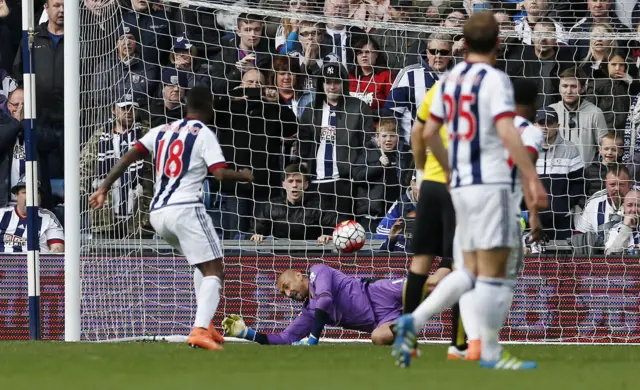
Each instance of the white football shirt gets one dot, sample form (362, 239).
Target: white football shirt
(13, 229)
(183, 151)
(471, 98)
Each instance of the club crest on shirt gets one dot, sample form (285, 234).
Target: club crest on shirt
(328, 134)
(18, 152)
(13, 240)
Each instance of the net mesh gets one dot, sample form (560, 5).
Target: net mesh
(134, 284)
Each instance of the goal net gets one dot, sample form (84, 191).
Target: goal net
(140, 57)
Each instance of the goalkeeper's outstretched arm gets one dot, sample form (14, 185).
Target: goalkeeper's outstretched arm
(300, 327)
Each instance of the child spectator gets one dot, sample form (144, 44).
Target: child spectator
(377, 175)
(611, 149)
(399, 209)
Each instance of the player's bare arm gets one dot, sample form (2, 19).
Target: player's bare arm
(224, 174)
(96, 200)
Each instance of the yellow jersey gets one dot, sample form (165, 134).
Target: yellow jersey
(432, 169)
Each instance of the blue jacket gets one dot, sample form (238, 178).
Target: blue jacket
(399, 209)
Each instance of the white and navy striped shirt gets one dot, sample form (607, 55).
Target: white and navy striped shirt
(406, 95)
(326, 162)
(184, 151)
(470, 100)
(597, 211)
(13, 228)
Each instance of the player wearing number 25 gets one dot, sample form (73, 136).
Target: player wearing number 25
(184, 152)
(330, 298)
(121, 216)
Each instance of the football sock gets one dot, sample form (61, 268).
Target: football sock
(197, 281)
(446, 293)
(208, 300)
(458, 337)
(493, 298)
(413, 292)
(469, 315)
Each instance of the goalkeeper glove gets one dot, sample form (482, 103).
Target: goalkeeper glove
(310, 341)
(234, 326)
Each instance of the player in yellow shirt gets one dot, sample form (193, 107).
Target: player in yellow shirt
(435, 223)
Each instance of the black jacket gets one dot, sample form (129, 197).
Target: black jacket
(160, 115)
(613, 97)
(303, 221)
(224, 74)
(155, 32)
(10, 131)
(594, 178)
(376, 186)
(353, 120)
(251, 132)
(119, 78)
(49, 70)
(354, 34)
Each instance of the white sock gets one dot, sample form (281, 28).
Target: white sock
(197, 281)
(208, 299)
(469, 315)
(493, 298)
(446, 293)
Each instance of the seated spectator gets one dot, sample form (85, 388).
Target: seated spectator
(171, 107)
(297, 215)
(376, 176)
(580, 120)
(248, 49)
(508, 44)
(370, 80)
(396, 240)
(399, 209)
(613, 94)
(338, 38)
(561, 171)
(625, 234)
(536, 10)
(611, 149)
(121, 216)
(251, 128)
(436, 52)
(412, 83)
(128, 73)
(287, 33)
(605, 206)
(152, 20)
(332, 134)
(594, 63)
(542, 62)
(290, 82)
(396, 44)
(307, 50)
(13, 228)
(184, 58)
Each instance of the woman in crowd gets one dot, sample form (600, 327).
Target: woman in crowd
(371, 80)
(594, 63)
(290, 82)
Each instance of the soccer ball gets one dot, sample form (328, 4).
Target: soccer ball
(348, 236)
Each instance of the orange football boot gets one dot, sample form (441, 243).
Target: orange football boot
(200, 337)
(474, 350)
(215, 335)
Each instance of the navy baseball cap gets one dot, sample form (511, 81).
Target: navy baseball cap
(547, 115)
(182, 43)
(125, 29)
(126, 99)
(172, 76)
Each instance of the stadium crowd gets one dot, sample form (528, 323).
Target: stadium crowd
(322, 112)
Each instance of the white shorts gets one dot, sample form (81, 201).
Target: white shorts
(515, 262)
(484, 217)
(188, 230)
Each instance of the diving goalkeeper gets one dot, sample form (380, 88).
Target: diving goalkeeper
(331, 298)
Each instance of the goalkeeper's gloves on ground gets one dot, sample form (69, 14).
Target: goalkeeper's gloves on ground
(310, 341)
(234, 326)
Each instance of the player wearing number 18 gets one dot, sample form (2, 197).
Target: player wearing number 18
(184, 151)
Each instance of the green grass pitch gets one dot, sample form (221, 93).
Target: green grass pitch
(159, 366)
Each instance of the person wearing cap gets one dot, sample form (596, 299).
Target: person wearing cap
(155, 29)
(332, 133)
(13, 225)
(184, 58)
(170, 108)
(248, 49)
(128, 73)
(121, 216)
(561, 170)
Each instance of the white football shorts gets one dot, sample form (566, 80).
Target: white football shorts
(189, 230)
(484, 217)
